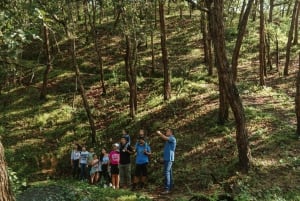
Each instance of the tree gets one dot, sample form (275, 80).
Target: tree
(297, 99)
(6, 193)
(167, 77)
(216, 18)
(48, 62)
(241, 32)
(290, 39)
(262, 44)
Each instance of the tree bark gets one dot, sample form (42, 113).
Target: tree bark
(262, 45)
(297, 99)
(98, 49)
(241, 32)
(43, 93)
(271, 8)
(83, 93)
(152, 53)
(207, 47)
(295, 42)
(167, 77)
(6, 193)
(254, 10)
(130, 69)
(290, 39)
(226, 79)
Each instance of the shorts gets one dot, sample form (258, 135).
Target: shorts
(114, 169)
(141, 170)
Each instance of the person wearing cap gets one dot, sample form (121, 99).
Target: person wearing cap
(168, 157)
(143, 151)
(114, 160)
(124, 166)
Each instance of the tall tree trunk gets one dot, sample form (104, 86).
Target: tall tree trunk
(254, 10)
(83, 93)
(295, 42)
(242, 11)
(207, 47)
(268, 51)
(43, 93)
(98, 49)
(217, 21)
(262, 45)
(152, 53)
(167, 76)
(271, 8)
(86, 16)
(277, 52)
(130, 69)
(290, 39)
(6, 193)
(297, 99)
(241, 32)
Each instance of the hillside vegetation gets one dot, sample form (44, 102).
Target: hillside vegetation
(38, 135)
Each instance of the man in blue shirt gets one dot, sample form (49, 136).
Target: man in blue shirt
(143, 152)
(169, 156)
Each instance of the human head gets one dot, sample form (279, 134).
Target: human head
(103, 151)
(169, 132)
(141, 141)
(95, 156)
(76, 146)
(115, 146)
(142, 132)
(83, 148)
(123, 140)
(91, 150)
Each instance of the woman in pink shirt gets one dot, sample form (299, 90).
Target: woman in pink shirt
(114, 160)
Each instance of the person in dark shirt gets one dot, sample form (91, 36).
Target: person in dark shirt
(124, 166)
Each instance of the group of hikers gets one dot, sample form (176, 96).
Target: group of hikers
(113, 168)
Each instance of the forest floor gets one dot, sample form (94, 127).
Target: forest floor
(38, 135)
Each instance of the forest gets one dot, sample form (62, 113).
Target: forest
(223, 77)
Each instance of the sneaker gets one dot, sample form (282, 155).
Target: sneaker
(104, 186)
(165, 192)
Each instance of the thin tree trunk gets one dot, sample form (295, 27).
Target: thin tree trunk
(152, 53)
(271, 11)
(231, 91)
(43, 93)
(254, 10)
(296, 26)
(167, 77)
(262, 45)
(297, 99)
(268, 51)
(86, 16)
(241, 32)
(83, 93)
(208, 57)
(98, 49)
(277, 52)
(130, 69)
(6, 193)
(290, 39)
(242, 11)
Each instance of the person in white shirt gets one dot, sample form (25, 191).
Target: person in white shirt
(83, 159)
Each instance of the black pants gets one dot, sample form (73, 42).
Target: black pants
(75, 169)
(105, 174)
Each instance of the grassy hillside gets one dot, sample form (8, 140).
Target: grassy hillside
(38, 135)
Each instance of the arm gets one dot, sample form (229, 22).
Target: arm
(162, 136)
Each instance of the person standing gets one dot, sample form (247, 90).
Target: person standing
(143, 152)
(75, 155)
(83, 159)
(168, 157)
(114, 160)
(105, 161)
(124, 167)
